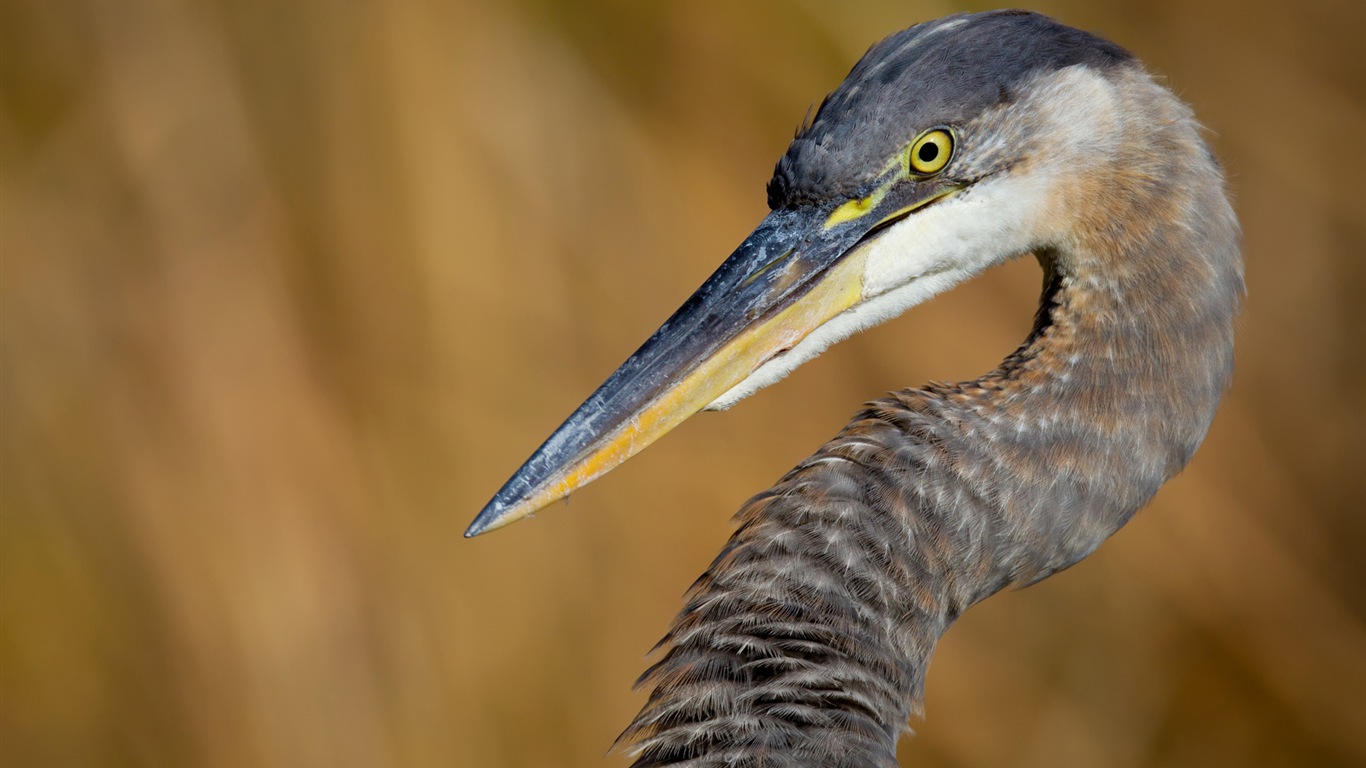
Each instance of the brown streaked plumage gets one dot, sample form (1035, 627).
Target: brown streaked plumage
(807, 640)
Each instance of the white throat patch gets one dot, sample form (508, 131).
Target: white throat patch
(924, 254)
(996, 219)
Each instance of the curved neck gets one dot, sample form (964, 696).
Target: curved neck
(807, 640)
(1132, 349)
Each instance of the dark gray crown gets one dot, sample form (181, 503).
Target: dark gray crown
(942, 72)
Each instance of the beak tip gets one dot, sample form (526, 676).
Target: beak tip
(489, 518)
(502, 510)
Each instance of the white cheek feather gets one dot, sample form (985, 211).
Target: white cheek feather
(924, 254)
(954, 239)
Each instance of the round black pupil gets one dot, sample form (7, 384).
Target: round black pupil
(928, 152)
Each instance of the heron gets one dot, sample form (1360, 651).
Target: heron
(950, 147)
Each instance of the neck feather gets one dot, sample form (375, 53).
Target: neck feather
(1133, 345)
(806, 642)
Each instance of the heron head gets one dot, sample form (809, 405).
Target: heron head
(939, 155)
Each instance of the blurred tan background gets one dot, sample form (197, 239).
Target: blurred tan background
(290, 288)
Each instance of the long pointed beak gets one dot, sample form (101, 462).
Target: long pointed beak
(793, 273)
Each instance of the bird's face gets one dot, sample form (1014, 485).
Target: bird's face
(907, 181)
(821, 269)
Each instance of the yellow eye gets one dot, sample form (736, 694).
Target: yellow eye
(931, 152)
